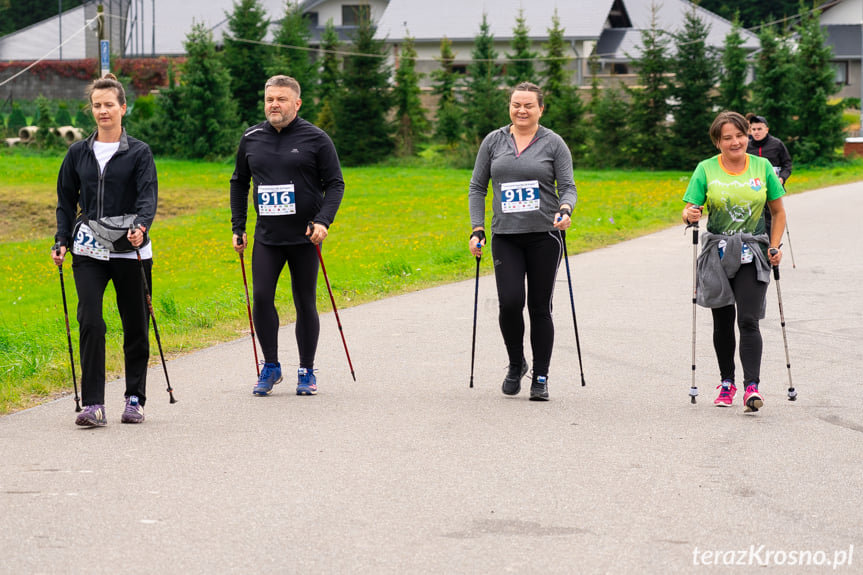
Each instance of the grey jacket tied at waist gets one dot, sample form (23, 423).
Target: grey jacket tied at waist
(713, 289)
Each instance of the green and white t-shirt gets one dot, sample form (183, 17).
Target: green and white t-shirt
(734, 202)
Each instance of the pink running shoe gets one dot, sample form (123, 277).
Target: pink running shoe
(726, 394)
(752, 399)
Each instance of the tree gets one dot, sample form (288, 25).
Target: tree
(246, 61)
(362, 131)
(818, 129)
(773, 85)
(330, 78)
(649, 101)
(695, 67)
(564, 109)
(198, 118)
(520, 67)
(732, 82)
(609, 132)
(751, 13)
(448, 126)
(296, 61)
(412, 123)
(46, 138)
(485, 102)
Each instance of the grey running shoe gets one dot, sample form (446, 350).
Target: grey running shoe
(512, 381)
(134, 412)
(92, 416)
(539, 388)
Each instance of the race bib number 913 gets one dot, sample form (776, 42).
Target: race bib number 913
(519, 196)
(276, 200)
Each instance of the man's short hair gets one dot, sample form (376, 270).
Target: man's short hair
(281, 81)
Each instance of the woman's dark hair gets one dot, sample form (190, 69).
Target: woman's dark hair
(107, 82)
(727, 117)
(528, 87)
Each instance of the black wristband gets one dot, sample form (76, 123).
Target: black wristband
(564, 211)
(479, 234)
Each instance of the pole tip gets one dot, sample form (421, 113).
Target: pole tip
(792, 394)
(354, 376)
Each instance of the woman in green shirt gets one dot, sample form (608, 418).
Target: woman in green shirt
(736, 253)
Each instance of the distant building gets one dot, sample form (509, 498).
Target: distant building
(843, 22)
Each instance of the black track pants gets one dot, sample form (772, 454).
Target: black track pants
(267, 264)
(534, 256)
(91, 279)
(749, 293)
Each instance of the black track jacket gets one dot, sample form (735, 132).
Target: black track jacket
(300, 154)
(774, 150)
(127, 186)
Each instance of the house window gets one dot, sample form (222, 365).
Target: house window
(312, 19)
(841, 69)
(351, 14)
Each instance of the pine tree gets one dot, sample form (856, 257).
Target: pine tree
(486, 103)
(732, 83)
(773, 85)
(296, 62)
(208, 112)
(696, 67)
(448, 125)
(609, 132)
(246, 61)
(649, 107)
(363, 132)
(412, 122)
(520, 67)
(46, 138)
(564, 109)
(330, 79)
(818, 129)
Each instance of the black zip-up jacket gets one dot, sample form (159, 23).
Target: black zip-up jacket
(300, 154)
(127, 186)
(774, 150)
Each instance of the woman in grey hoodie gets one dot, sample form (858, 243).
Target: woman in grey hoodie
(533, 193)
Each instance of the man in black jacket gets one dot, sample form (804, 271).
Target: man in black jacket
(297, 189)
(761, 143)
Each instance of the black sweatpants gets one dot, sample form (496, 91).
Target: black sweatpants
(91, 279)
(267, 264)
(535, 256)
(749, 294)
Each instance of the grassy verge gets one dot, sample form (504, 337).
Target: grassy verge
(399, 230)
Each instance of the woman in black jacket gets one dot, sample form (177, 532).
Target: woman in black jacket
(107, 175)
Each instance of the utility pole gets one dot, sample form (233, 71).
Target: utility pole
(60, 25)
(104, 45)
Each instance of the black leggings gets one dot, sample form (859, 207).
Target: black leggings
(267, 264)
(91, 279)
(749, 294)
(537, 257)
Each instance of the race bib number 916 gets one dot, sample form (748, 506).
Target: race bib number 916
(276, 200)
(519, 196)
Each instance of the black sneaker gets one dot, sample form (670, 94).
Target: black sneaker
(539, 388)
(512, 381)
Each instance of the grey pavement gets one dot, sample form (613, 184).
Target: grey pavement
(408, 470)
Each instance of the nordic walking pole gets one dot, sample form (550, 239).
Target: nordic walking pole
(693, 390)
(792, 393)
(155, 327)
(333, 301)
(68, 333)
(249, 309)
(572, 302)
(475, 305)
(790, 250)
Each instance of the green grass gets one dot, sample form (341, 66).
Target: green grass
(398, 230)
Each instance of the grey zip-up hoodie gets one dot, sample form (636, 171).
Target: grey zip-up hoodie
(713, 289)
(546, 160)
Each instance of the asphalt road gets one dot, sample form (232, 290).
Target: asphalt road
(408, 470)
